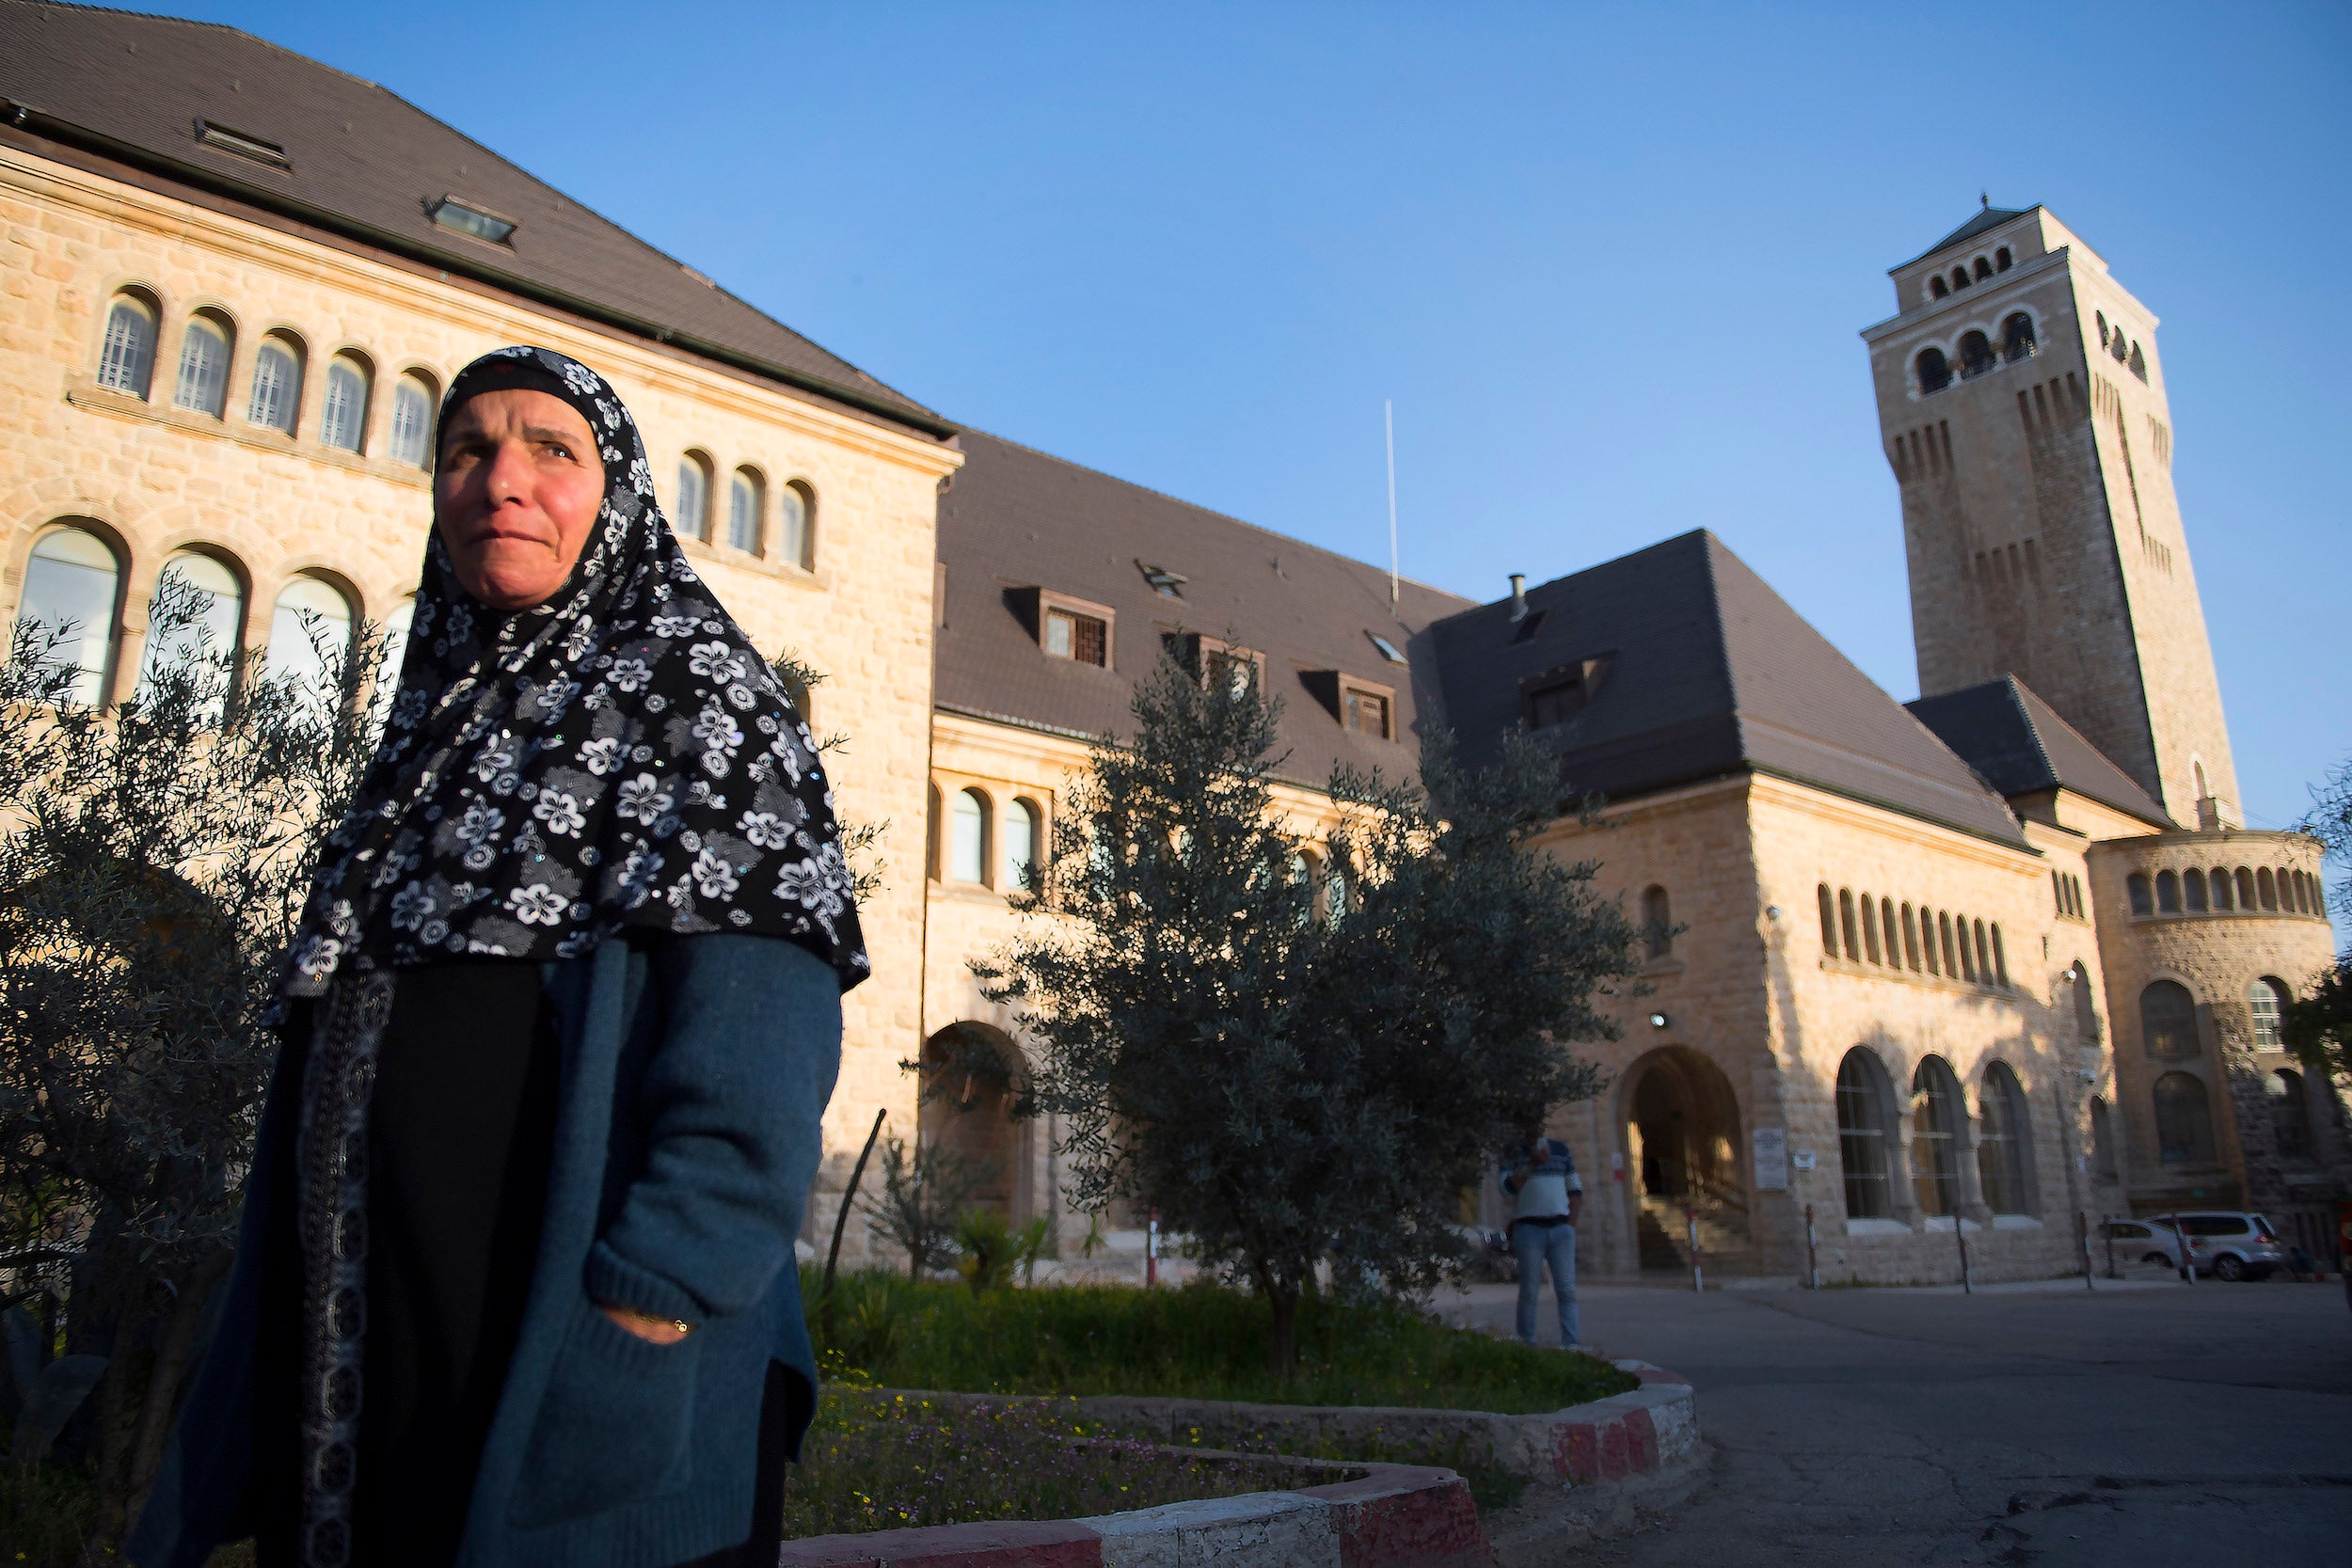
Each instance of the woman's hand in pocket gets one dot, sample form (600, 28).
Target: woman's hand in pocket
(644, 1325)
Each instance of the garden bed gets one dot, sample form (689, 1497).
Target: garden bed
(1197, 1341)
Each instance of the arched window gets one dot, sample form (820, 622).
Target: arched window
(1862, 1118)
(1937, 288)
(1894, 935)
(1943, 939)
(2000, 958)
(343, 422)
(2118, 348)
(1976, 353)
(1335, 893)
(1911, 939)
(2265, 889)
(1960, 278)
(412, 421)
(2290, 1115)
(2184, 1120)
(2267, 999)
(1870, 928)
(796, 525)
(2085, 1005)
(277, 383)
(1985, 971)
(747, 504)
(2103, 327)
(2197, 773)
(2002, 1141)
(2139, 363)
(2017, 340)
(693, 497)
(205, 350)
(2168, 892)
(2221, 888)
(2136, 885)
(2168, 1022)
(218, 624)
(2286, 891)
(2245, 890)
(967, 855)
(1933, 369)
(1983, 268)
(1658, 934)
(2301, 885)
(2102, 1141)
(1936, 1135)
(1022, 831)
(126, 361)
(1828, 922)
(1969, 970)
(310, 639)
(70, 588)
(1845, 923)
(2002, 261)
(2193, 891)
(1927, 941)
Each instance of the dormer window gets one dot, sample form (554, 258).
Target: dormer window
(469, 219)
(1162, 580)
(1367, 710)
(1212, 661)
(1083, 638)
(260, 148)
(1560, 694)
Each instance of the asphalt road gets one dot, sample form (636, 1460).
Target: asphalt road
(2149, 1424)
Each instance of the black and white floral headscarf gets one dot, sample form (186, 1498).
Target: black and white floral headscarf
(617, 756)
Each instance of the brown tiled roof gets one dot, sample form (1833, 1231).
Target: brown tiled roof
(2018, 744)
(1705, 672)
(366, 164)
(1016, 519)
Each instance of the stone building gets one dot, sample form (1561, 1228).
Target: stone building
(1955, 974)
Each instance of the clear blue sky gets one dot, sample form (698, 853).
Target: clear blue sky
(1609, 264)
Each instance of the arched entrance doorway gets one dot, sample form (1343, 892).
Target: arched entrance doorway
(972, 1078)
(1682, 1140)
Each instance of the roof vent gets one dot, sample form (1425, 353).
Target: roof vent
(260, 148)
(467, 219)
(1519, 595)
(1162, 580)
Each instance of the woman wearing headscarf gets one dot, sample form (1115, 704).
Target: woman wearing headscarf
(515, 1282)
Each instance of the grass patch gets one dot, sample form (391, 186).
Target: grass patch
(1199, 1340)
(877, 1461)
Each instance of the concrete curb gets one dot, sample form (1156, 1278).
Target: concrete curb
(1394, 1516)
(1652, 1429)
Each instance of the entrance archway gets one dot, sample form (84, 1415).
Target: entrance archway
(972, 1077)
(1681, 1125)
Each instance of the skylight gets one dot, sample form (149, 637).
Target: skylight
(259, 148)
(1162, 580)
(1388, 649)
(465, 219)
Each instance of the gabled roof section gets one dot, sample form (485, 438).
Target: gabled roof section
(1703, 672)
(1992, 218)
(2019, 745)
(1015, 519)
(368, 165)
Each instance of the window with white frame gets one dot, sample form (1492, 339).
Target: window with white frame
(203, 384)
(343, 424)
(70, 587)
(126, 361)
(276, 385)
(412, 421)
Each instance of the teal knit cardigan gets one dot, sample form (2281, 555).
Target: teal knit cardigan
(696, 1070)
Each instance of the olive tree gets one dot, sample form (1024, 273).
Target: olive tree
(1302, 1067)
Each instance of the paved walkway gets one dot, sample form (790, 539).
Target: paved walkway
(2144, 1423)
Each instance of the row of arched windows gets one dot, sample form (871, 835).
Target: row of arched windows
(2168, 1018)
(1977, 270)
(2245, 891)
(748, 514)
(987, 849)
(1872, 930)
(1867, 1126)
(1976, 353)
(208, 353)
(2122, 350)
(74, 588)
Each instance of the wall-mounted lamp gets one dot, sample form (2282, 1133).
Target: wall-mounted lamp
(1659, 1021)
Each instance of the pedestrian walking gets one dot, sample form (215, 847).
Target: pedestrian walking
(1540, 1177)
(514, 1281)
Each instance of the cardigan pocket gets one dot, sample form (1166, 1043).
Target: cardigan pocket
(614, 1425)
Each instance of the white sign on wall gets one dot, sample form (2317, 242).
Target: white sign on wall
(1770, 1145)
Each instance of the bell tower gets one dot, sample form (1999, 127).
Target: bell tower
(2021, 403)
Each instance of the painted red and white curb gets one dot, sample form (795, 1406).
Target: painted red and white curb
(1394, 1516)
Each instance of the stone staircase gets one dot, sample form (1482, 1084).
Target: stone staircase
(1726, 1242)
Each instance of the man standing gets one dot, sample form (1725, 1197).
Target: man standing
(1549, 1192)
